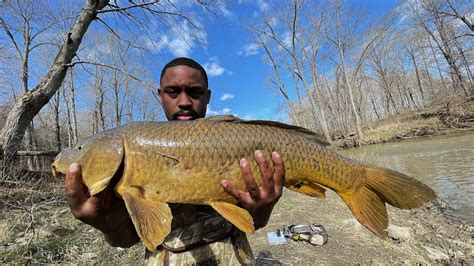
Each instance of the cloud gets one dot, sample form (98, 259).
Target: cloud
(223, 111)
(249, 49)
(224, 11)
(227, 96)
(213, 68)
(179, 40)
(262, 5)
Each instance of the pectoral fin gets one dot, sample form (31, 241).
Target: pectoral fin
(234, 214)
(307, 188)
(151, 217)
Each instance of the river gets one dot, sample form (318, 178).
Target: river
(445, 163)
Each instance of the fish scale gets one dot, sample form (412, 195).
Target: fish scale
(184, 162)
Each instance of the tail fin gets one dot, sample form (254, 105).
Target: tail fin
(385, 185)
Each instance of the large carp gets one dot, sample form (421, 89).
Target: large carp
(184, 162)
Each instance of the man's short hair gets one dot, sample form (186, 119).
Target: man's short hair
(184, 61)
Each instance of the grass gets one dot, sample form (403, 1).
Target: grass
(37, 227)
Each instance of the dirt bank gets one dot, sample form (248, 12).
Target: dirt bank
(452, 116)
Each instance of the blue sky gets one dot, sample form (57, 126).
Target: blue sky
(238, 76)
(237, 73)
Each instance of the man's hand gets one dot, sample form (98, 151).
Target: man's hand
(104, 211)
(259, 201)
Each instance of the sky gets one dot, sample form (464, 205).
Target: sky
(238, 76)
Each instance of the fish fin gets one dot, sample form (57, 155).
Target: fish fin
(152, 218)
(369, 210)
(228, 118)
(308, 188)
(384, 185)
(102, 164)
(397, 189)
(239, 217)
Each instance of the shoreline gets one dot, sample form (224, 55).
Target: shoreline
(452, 118)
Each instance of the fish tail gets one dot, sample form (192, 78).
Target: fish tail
(382, 186)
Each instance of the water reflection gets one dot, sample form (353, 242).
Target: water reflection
(446, 163)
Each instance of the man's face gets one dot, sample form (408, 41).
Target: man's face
(183, 93)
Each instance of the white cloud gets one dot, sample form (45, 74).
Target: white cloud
(287, 39)
(223, 111)
(262, 5)
(224, 11)
(213, 68)
(179, 40)
(249, 49)
(227, 96)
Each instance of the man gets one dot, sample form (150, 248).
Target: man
(184, 94)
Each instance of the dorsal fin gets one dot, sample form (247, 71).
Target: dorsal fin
(230, 118)
(224, 118)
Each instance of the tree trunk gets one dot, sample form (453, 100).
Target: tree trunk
(57, 126)
(418, 80)
(69, 122)
(73, 108)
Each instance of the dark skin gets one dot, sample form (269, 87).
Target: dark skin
(184, 95)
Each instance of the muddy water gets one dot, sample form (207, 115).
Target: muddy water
(445, 163)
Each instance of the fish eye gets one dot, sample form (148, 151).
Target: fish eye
(79, 147)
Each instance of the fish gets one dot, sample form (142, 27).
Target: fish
(158, 163)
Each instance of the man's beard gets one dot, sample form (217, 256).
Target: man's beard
(191, 113)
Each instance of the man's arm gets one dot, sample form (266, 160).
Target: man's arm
(259, 201)
(104, 211)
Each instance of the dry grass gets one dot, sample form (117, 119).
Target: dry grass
(37, 227)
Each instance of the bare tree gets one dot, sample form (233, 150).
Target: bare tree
(290, 43)
(430, 19)
(24, 29)
(30, 104)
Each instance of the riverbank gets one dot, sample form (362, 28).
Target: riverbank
(439, 119)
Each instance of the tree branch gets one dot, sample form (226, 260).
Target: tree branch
(10, 35)
(127, 7)
(102, 65)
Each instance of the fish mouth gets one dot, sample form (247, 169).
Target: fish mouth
(54, 171)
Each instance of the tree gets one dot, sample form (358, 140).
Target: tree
(295, 46)
(429, 17)
(24, 31)
(31, 103)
